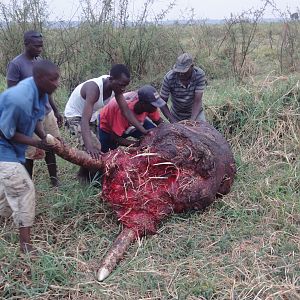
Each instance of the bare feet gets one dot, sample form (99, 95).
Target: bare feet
(28, 249)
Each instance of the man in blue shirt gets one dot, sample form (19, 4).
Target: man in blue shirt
(22, 109)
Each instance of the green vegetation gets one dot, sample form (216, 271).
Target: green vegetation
(247, 244)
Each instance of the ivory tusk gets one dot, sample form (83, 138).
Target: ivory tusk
(73, 155)
(116, 252)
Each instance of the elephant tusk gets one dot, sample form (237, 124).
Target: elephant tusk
(73, 155)
(116, 252)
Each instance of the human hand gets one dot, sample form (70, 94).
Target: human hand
(42, 144)
(62, 141)
(150, 131)
(136, 143)
(133, 147)
(94, 153)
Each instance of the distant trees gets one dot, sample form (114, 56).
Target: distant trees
(241, 46)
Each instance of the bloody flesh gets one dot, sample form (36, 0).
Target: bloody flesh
(140, 191)
(178, 168)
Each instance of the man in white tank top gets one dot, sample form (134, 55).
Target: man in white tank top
(84, 103)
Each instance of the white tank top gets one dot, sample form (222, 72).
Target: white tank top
(75, 104)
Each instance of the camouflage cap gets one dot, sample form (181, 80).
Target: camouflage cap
(183, 63)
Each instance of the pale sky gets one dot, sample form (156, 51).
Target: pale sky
(211, 9)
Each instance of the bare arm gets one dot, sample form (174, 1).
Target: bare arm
(39, 130)
(13, 75)
(28, 140)
(56, 112)
(128, 114)
(197, 105)
(166, 112)
(165, 94)
(90, 92)
(24, 139)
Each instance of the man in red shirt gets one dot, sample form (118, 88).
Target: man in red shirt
(115, 128)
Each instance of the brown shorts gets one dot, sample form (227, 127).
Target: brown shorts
(17, 194)
(73, 125)
(51, 127)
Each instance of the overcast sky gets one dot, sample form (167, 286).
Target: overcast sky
(212, 9)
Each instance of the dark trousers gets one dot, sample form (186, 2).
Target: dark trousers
(107, 142)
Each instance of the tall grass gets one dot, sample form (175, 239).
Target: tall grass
(242, 47)
(245, 246)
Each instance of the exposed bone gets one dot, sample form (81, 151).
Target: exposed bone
(145, 154)
(116, 252)
(74, 155)
(164, 163)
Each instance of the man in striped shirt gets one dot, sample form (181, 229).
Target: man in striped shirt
(185, 83)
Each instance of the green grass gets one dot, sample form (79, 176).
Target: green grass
(245, 246)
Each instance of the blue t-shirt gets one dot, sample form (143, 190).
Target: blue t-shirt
(20, 109)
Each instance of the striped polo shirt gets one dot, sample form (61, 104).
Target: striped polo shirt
(182, 97)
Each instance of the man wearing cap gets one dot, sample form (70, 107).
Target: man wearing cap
(185, 84)
(19, 68)
(115, 128)
(82, 110)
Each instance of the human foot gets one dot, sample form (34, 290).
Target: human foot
(28, 249)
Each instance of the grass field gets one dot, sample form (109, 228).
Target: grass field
(245, 246)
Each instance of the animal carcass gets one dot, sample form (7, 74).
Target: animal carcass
(178, 167)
